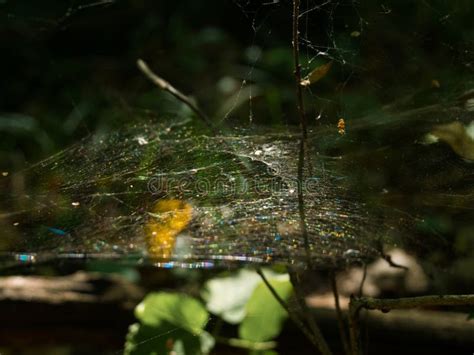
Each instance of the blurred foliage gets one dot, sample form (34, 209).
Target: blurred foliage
(264, 315)
(169, 322)
(175, 323)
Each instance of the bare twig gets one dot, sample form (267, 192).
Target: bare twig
(296, 59)
(321, 342)
(385, 305)
(362, 282)
(390, 262)
(299, 323)
(308, 315)
(166, 86)
(340, 319)
(304, 129)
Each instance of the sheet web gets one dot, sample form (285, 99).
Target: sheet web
(167, 194)
(170, 192)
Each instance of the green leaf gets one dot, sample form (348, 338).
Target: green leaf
(227, 296)
(165, 339)
(264, 315)
(177, 309)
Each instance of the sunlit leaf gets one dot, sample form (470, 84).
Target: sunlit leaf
(177, 309)
(264, 315)
(227, 296)
(317, 74)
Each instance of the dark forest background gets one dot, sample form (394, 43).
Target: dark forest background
(68, 67)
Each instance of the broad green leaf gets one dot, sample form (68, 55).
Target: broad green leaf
(227, 296)
(166, 339)
(265, 316)
(177, 309)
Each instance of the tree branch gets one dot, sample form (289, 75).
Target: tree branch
(356, 304)
(166, 86)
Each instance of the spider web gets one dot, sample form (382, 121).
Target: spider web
(316, 46)
(101, 197)
(243, 199)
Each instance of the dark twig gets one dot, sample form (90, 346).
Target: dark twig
(166, 86)
(385, 305)
(321, 342)
(362, 282)
(307, 314)
(356, 304)
(296, 59)
(340, 318)
(390, 262)
(291, 314)
(304, 129)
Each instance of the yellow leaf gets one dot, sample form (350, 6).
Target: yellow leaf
(170, 217)
(317, 74)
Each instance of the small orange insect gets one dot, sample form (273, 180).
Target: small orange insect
(341, 126)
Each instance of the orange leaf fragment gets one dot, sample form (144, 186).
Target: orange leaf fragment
(317, 74)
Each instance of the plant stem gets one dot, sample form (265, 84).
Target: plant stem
(304, 129)
(340, 319)
(362, 282)
(297, 72)
(385, 305)
(316, 333)
(291, 314)
(308, 315)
